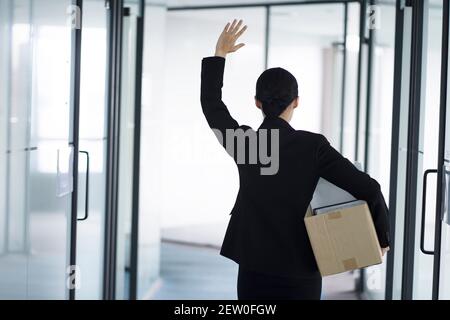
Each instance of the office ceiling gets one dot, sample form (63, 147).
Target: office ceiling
(300, 20)
(182, 3)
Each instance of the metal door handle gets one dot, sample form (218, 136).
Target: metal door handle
(86, 205)
(424, 202)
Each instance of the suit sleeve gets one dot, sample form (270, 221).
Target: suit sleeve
(214, 109)
(333, 167)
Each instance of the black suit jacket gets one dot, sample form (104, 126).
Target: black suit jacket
(266, 232)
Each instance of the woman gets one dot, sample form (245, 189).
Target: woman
(266, 234)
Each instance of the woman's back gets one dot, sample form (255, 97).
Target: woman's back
(266, 230)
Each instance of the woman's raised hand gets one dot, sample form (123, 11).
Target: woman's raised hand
(228, 37)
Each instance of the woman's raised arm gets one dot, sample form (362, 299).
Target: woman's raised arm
(214, 109)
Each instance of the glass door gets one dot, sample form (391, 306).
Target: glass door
(399, 151)
(106, 162)
(421, 239)
(36, 148)
(92, 145)
(68, 70)
(427, 156)
(126, 145)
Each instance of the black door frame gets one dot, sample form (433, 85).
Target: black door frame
(115, 26)
(441, 151)
(415, 96)
(75, 107)
(115, 9)
(133, 293)
(395, 142)
(414, 107)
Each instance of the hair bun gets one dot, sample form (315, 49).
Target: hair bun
(274, 106)
(275, 89)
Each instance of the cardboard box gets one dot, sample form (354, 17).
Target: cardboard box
(343, 238)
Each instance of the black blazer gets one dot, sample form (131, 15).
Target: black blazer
(266, 232)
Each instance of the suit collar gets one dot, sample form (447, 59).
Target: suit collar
(275, 122)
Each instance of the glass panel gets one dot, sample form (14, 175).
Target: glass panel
(190, 157)
(185, 154)
(90, 232)
(444, 279)
(151, 144)
(15, 43)
(379, 159)
(402, 156)
(47, 222)
(126, 143)
(428, 147)
(4, 71)
(349, 112)
(359, 156)
(34, 137)
(307, 49)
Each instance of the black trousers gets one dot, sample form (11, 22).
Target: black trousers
(252, 285)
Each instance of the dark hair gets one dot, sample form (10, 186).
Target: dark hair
(276, 88)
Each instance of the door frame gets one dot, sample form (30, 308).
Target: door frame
(113, 88)
(441, 151)
(115, 26)
(395, 142)
(115, 9)
(413, 125)
(75, 107)
(133, 294)
(415, 103)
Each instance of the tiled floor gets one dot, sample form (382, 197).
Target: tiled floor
(190, 272)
